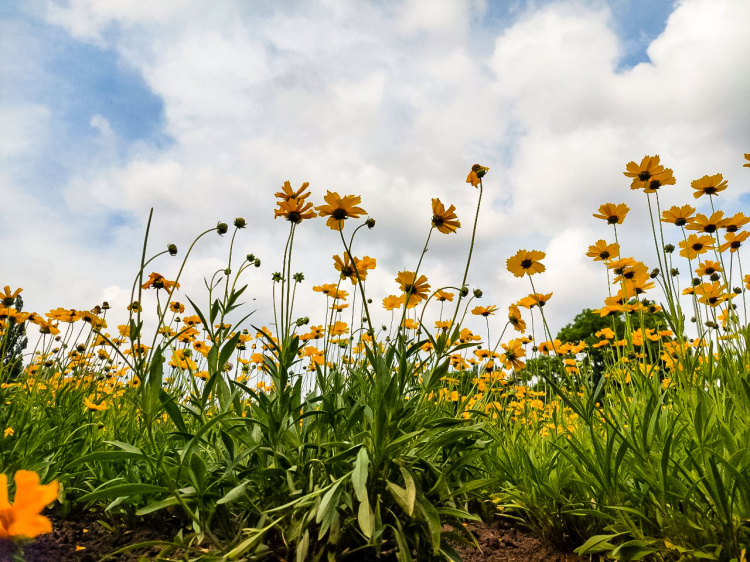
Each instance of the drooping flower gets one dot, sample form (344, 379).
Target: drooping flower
(678, 216)
(476, 174)
(709, 185)
(484, 310)
(515, 319)
(176, 307)
(601, 251)
(612, 213)
(649, 168)
(526, 263)
(157, 281)
(444, 220)
(21, 519)
(339, 209)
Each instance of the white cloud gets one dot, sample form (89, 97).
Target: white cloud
(392, 102)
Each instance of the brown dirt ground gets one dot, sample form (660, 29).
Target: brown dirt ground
(498, 542)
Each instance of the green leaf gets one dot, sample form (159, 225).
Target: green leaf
(156, 506)
(124, 490)
(359, 475)
(233, 494)
(106, 456)
(366, 518)
(327, 504)
(411, 490)
(433, 523)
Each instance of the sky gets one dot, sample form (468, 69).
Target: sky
(201, 110)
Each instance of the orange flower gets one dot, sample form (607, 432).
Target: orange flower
(392, 302)
(444, 220)
(515, 319)
(678, 215)
(656, 182)
(601, 251)
(707, 268)
(709, 225)
(288, 194)
(696, 245)
(7, 297)
(735, 222)
(613, 214)
(709, 185)
(536, 299)
(348, 269)
(414, 289)
(295, 210)
(443, 296)
(484, 310)
(526, 263)
(339, 209)
(476, 174)
(747, 157)
(733, 241)
(649, 168)
(157, 281)
(22, 519)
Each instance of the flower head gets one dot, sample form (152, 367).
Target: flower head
(735, 222)
(515, 319)
(709, 225)
(295, 210)
(601, 251)
(7, 297)
(708, 185)
(613, 214)
(476, 174)
(444, 220)
(484, 310)
(678, 216)
(535, 299)
(348, 269)
(21, 519)
(526, 263)
(415, 289)
(643, 174)
(696, 245)
(157, 281)
(747, 157)
(289, 194)
(340, 208)
(733, 241)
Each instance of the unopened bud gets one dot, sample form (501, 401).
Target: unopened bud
(239, 222)
(654, 273)
(714, 276)
(172, 249)
(669, 248)
(478, 293)
(674, 272)
(222, 228)
(370, 222)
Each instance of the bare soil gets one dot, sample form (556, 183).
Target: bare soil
(82, 538)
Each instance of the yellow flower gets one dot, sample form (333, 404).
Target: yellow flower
(679, 216)
(613, 214)
(21, 519)
(649, 168)
(443, 296)
(414, 289)
(93, 406)
(340, 208)
(526, 262)
(9, 431)
(295, 210)
(733, 241)
(392, 302)
(709, 185)
(288, 194)
(7, 297)
(696, 245)
(476, 174)
(484, 310)
(157, 281)
(709, 225)
(601, 251)
(515, 319)
(444, 220)
(747, 157)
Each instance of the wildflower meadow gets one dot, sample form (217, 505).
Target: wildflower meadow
(341, 437)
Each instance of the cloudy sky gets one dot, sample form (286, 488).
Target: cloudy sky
(202, 110)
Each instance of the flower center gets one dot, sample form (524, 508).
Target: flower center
(709, 228)
(680, 222)
(644, 176)
(526, 264)
(339, 214)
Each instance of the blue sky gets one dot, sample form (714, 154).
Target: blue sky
(201, 113)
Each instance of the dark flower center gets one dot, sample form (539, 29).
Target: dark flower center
(680, 222)
(732, 228)
(604, 254)
(294, 217)
(654, 184)
(408, 288)
(644, 176)
(709, 228)
(437, 220)
(736, 244)
(347, 271)
(613, 219)
(526, 264)
(697, 247)
(709, 190)
(339, 214)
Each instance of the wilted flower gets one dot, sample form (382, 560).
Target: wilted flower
(476, 174)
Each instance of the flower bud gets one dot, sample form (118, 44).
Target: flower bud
(478, 293)
(222, 228)
(172, 249)
(298, 277)
(276, 277)
(654, 273)
(669, 248)
(370, 222)
(736, 291)
(714, 276)
(464, 291)
(256, 263)
(674, 272)
(239, 222)
(696, 281)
